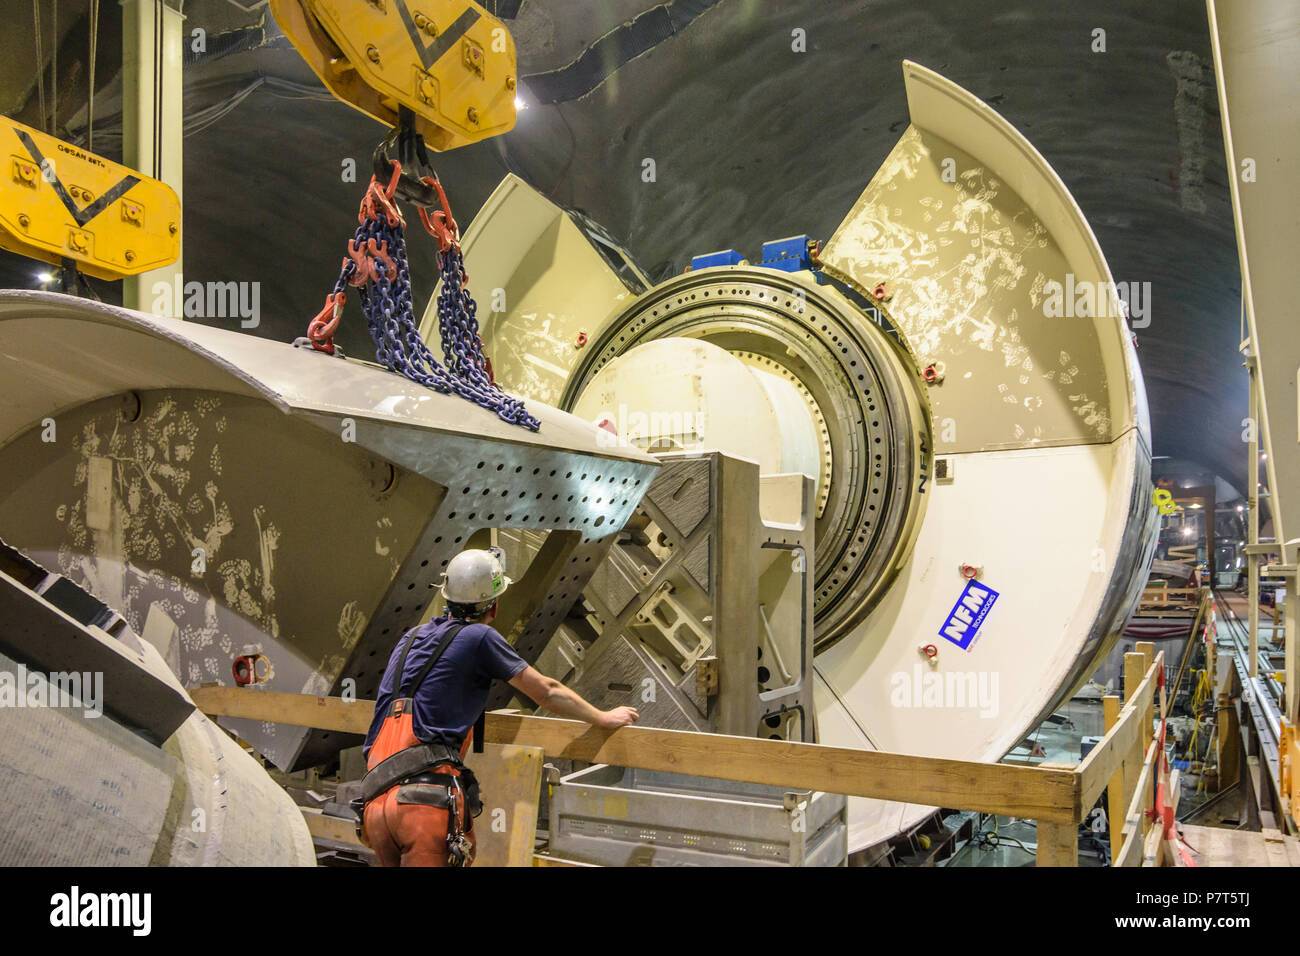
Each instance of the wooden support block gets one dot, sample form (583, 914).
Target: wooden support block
(510, 779)
(1228, 741)
(1058, 844)
(1275, 848)
(1134, 670)
(706, 677)
(543, 859)
(1148, 651)
(1153, 847)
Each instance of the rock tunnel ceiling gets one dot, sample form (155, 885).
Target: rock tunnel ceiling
(751, 140)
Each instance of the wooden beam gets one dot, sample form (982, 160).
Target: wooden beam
(1153, 846)
(1148, 651)
(542, 859)
(1058, 844)
(1130, 853)
(1033, 793)
(1106, 759)
(1115, 785)
(1110, 753)
(299, 710)
(1135, 666)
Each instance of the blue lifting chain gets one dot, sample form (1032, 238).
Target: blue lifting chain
(376, 264)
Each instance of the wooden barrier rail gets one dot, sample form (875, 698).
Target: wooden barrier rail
(1174, 599)
(1056, 795)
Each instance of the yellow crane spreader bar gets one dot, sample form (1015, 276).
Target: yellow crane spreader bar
(60, 203)
(448, 61)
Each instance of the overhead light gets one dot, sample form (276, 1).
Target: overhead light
(1241, 507)
(1187, 532)
(520, 103)
(44, 277)
(1196, 504)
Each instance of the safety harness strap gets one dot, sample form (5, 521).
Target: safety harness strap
(479, 726)
(443, 644)
(403, 764)
(401, 666)
(413, 760)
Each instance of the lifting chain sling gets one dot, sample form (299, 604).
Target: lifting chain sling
(376, 265)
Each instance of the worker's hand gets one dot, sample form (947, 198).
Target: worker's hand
(618, 717)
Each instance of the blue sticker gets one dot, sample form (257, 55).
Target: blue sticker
(966, 616)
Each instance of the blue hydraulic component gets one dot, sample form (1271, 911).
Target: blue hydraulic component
(727, 257)
(794, 254)
(789, 255)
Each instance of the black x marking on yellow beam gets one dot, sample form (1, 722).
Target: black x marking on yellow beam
(82, 216)
(433, 52)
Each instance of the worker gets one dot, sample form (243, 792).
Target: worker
(418, 798)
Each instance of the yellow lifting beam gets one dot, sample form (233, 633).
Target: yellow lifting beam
(448, 61)
(59, 203)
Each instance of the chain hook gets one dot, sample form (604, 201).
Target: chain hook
(321, 329)
(442, 227)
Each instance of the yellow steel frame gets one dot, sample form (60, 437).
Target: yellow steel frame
(59, 202)
(1288, 767)
(449, 61)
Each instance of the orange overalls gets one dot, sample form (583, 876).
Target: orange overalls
(411, 787)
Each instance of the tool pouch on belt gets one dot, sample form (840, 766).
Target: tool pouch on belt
(358, 806)
(425, 795)
(473, 799)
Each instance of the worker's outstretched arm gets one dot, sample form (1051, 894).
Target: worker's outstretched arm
(550, 693)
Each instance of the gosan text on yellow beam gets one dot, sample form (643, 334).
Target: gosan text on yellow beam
(59, 202)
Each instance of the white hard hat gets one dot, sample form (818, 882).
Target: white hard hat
(474, 577)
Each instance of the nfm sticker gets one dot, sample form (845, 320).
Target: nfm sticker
(964, 620)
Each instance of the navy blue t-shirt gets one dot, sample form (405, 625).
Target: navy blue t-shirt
(456, 690)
